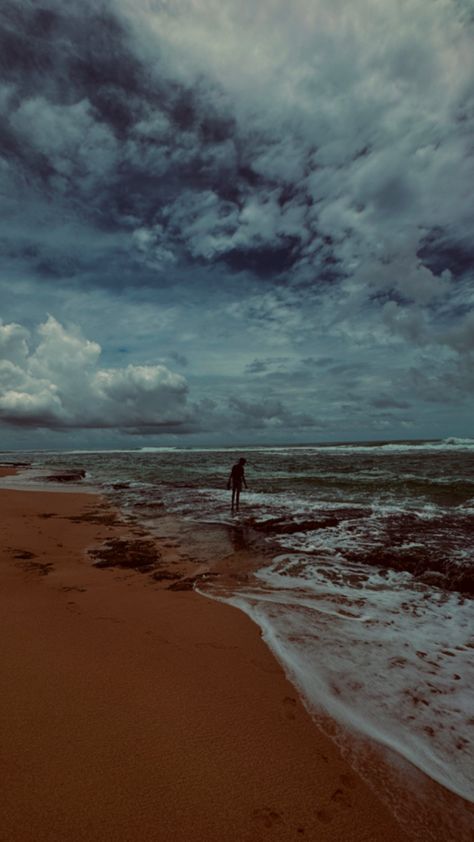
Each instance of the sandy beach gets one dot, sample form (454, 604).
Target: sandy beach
(131, 711)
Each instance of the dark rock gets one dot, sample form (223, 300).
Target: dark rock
(67, 476)
(463, 581)
(432, 577)
(183, 585)
(106, 519)
(162, 575)
(149, 504)
(283, 526)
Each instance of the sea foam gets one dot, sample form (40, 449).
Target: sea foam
(386, 656)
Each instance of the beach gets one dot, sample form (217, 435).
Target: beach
(131, 711)
(236, 406)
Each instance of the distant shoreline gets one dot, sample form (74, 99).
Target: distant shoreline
(253, 446)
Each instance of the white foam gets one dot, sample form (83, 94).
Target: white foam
(448, 444)
(384, 655)
(36, 479)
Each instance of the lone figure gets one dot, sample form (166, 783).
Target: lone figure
(235, 481)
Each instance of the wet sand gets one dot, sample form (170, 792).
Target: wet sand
(130, 711)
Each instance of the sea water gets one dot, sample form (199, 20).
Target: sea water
(367, 595)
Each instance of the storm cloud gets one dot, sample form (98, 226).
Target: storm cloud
(233, 191)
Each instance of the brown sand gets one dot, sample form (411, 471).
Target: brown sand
(132, 712)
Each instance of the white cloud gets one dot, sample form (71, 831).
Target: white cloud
(58, 382)
(13, 343)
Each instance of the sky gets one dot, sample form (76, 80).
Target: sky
(229, 222)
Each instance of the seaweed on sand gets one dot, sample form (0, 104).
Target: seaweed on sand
(133, 555)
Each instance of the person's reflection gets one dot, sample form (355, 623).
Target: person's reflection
(238, 536)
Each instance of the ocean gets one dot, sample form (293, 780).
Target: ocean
(365, 578)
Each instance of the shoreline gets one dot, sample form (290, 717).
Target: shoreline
(183, 557)
(137, 712)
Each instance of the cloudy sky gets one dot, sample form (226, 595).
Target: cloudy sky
(228, 222)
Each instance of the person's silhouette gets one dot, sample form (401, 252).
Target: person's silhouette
(236, 481)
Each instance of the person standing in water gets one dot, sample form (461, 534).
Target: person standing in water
(235, 482)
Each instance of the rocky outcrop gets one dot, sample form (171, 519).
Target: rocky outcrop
(67, 476)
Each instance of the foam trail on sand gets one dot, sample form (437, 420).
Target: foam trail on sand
(387, 656)
(389, 716)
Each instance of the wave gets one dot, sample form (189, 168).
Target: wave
(448, 444)
(382, 654)
(158, 449)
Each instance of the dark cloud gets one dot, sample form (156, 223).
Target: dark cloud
(269, 364)
(269, 413)
(285, 197)
(440, 251)
(180, 359)
(264, 262)
(256, 367)
(132, 139)
(385, 402)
